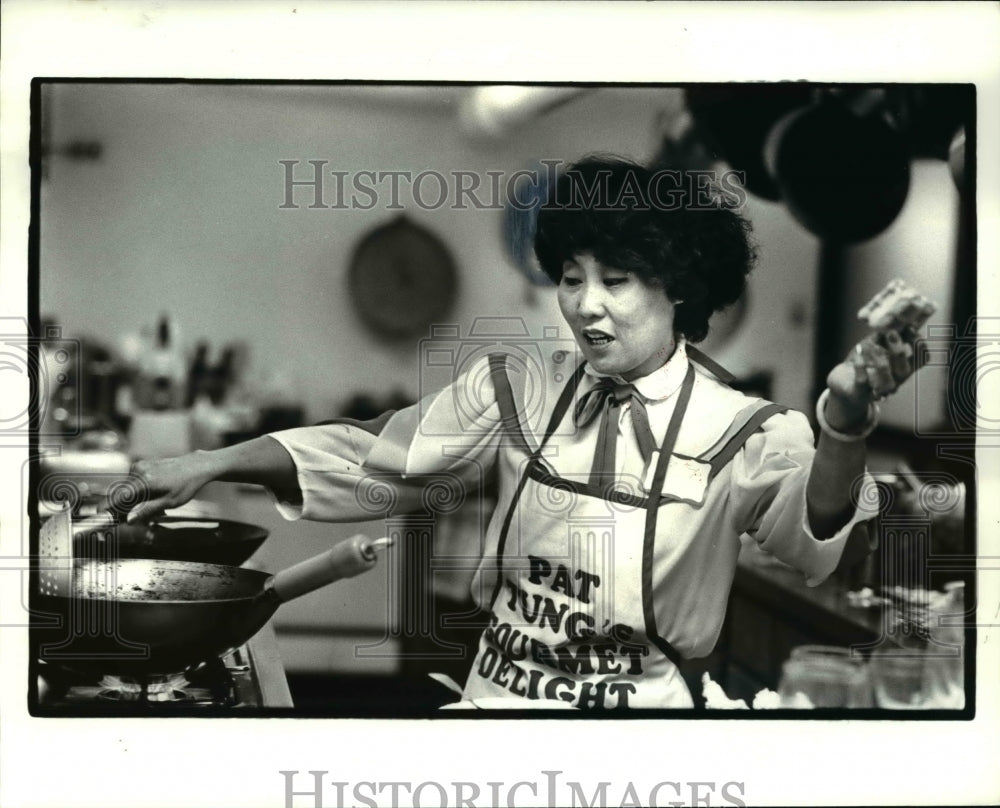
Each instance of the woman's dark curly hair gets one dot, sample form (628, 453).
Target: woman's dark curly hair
(661, 225)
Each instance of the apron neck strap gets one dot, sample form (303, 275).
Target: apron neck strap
(652, 510)
(562, 404)
(670, 438)
(709, 364)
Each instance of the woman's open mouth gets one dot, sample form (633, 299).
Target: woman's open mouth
(597, 339)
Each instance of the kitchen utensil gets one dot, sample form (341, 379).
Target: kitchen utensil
(147, 616)
(105, 536)
(173, 538)
(55, 553)
(58, 545)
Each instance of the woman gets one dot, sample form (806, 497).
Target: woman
(621, 500)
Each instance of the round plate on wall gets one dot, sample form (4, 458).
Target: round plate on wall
(402, 278)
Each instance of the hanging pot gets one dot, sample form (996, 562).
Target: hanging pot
(734, 120)
(844, 176)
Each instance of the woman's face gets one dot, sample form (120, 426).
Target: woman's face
(623, 324)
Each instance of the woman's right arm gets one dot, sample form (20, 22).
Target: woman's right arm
(341, 471)
(170, 482)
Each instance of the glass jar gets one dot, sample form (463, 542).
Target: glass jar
(825, 676)
(944, 666)
(898, 678)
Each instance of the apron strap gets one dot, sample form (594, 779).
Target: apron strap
(505, 400)
(508, 415)
(652, 509)
(735, 443)
(508, 405)
(709, 364)
(562, 403)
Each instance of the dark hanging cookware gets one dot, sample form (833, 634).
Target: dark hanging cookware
(843, 175)
(734, 121)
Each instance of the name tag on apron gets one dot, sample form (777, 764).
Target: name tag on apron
(686, 478)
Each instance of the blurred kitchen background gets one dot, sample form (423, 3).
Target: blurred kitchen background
(208, 309)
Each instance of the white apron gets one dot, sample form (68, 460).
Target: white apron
(572, 616)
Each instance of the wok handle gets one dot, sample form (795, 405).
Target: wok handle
(349, 558)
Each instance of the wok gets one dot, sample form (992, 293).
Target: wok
(142, 617)
(212, 541)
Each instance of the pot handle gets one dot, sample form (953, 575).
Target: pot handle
(348, 558)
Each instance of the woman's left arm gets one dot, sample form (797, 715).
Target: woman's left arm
(847, 412)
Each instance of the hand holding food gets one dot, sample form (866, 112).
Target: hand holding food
(895, 315)
(883, 360)
(897, 307)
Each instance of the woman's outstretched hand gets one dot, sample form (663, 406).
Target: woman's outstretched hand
(157, 485)
(874, 369)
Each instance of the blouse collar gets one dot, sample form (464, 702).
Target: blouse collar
(662, 382)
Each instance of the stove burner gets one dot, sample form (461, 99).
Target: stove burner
(126, 695)
(159, 689)
(218, 683)
(228, 683)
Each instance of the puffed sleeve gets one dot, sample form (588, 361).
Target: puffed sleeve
(353, 471)
(768, 493)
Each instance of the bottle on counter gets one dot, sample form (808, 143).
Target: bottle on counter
(161, 425)
(223, 409)
(162, 370)
(220, 378)
(198, 375)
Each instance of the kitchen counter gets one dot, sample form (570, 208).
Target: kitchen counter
(771, 611)
(824, 609)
